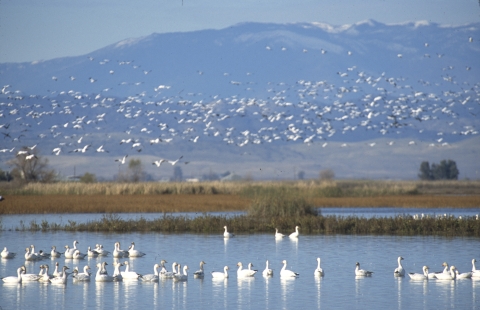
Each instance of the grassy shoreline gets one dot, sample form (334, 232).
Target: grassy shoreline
(40, 204)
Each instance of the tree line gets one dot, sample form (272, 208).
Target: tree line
(445, 170)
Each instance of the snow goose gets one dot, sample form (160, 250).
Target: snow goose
(419, 276)
(78, 255)
(361, 272)
(285, 273)
(30, 277)
(128, 274)
(278, 235)
(101, 251)
(181, 277)
(62, 279)
(92, 253)
(7, 254)
(46, 276)
(54, 253)
(226, 234)
(84, 276)
(199, 273)
(267, 272)
(399, 271)
(118, 253)
(103, 277)
(134, 253)
(152, 277)
(220, 275)
(15, 279)
(116, 271)
(167, 274)
(69, 251)
(319, 271)
(475, 272)
(295, 234)
(242, 273)
(30, 256)
(463, 275)
(56, 273)
(447, 276)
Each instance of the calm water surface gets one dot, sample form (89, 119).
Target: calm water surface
(337, 289)
(14, 221)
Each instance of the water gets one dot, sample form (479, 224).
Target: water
(14, 221)
(337, 289)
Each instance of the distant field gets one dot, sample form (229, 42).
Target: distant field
(233, 196)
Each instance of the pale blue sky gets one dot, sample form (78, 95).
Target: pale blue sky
(35, 30)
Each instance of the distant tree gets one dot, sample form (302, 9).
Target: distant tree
(327, 175)
(5, 176)
(177, 174)
(301, 175)
(88, 178)
(446, 170)
(31, 167)
(134, 173)
(425, 172)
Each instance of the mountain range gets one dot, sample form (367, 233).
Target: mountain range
(367, 100)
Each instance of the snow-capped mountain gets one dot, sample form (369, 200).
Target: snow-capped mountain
(258, 99)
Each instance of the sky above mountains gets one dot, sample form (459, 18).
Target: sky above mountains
(35, 30)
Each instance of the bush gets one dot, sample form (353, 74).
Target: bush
(280, 201)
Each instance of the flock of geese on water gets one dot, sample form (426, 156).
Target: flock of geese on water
(59, 276)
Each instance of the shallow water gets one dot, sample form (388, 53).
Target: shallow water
(16, 221)
(337, 289)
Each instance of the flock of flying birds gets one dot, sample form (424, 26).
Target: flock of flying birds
(177, 273)
(361, 103)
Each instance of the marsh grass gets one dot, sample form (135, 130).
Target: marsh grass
(341, 188)
(279, 201)
(400, 225)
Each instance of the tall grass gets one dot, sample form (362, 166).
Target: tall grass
(279, 201)
(315, 188)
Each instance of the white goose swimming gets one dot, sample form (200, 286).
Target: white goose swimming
(116, 271)
(419, 276)
(118, 253)
(433, 275)
(361, 272)
(69, 251)
(199, 273)
(132, 252)
(92, 253)
(56, 273)
(463, 275)
(243, 273)
(168, 274)
(62, 279)
(15, 279)
(181, 277)
(84, 276)
(447, 276)
(103, 277)
(285, 273)
(31, 277)
(7, 254)
(295, 234)
(46, 276)
(54, 253)
(226, 234)
(152, 277)
(475, 272)
(101, 251)
(278, 235)
(30, 256)
(128, 274)
(220, 275)
(319, 271)
(399, 271)
(78, 255)
(267, 272)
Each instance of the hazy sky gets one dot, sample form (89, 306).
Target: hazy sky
(34, 29)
